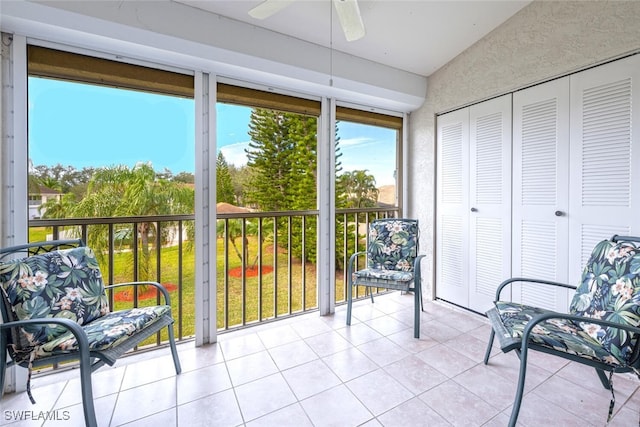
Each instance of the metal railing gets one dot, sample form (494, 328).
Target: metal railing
(352, 224)
(156, 253)
(266, 261)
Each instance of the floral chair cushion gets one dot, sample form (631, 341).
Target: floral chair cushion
(610, 290)
(376, 274)
(64, 284)
(393, 245)
(107, 331)
(558, 334)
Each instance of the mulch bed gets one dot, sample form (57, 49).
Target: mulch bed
(126, 294)
(249, 271)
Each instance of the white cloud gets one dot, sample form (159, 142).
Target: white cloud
(234, 154)
(351, 142)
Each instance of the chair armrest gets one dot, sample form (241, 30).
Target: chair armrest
(416, 268)
(73, 327)
(575, 318)
(352, 259)
(157, 285)
(416, 263)
(351, 264)
(538, 281)
(554, 315)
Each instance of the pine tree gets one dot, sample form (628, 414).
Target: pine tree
(282, 156)
(283, 163)
(224, 186)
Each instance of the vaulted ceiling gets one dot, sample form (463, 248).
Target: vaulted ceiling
(418, 36)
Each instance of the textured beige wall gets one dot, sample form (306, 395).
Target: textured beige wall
(544, 40)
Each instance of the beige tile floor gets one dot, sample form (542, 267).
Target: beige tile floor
(316, 371)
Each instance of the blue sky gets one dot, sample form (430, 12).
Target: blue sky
(86, 125)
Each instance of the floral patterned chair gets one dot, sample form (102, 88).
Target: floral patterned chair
(601, 329)
(54, 309)
(392, 262)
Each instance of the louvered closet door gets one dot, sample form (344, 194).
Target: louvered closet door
(452, 207)
(605, 157)
(541, 192)
(490, 200)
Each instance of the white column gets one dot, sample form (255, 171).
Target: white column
(404, 179)
(205, 208)
(326, 207)
(14, 160)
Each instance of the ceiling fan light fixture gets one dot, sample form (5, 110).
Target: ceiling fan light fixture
(268, 8)
(350, 19)
(348, 14)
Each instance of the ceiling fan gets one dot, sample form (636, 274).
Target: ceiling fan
(348, 13)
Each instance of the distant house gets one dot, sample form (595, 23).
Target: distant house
(37, 199)
(387, 196)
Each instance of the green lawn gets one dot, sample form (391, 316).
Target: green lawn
(38, 234)
(261, 292)
(264, 297)
(247, 301)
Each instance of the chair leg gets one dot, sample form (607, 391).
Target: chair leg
(368, 290)
(520, 390)
(87, 392)
(489, 346)
(3, 370)
(603, 379)
(174, 350)
(416, 307)
(349, 292)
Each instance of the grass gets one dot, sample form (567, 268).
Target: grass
(246, 301)
(38, 234)
(182, 299)
(263, 296)
(290, 288)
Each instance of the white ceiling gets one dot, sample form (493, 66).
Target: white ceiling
(418, 36)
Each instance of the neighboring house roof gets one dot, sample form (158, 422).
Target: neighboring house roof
(47, 191)
(387, 196)
(223, 207)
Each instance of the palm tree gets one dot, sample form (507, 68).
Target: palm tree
(58, 207)
(119, 191)
(360, 189)
(232, 230)
(51, 183)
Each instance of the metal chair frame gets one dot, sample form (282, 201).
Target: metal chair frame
(411, 286)
(523, 344)
(90, 360)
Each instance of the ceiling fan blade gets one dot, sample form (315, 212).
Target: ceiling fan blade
(350, 19)
(268, 8)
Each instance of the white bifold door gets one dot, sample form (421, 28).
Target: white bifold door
(541, 192)
(534, 202)
(473, 234)
(576, 174)
(604, 194)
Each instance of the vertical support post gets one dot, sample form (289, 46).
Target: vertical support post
(326, 207)
(402, 176)
(14, 160)
(205, 208)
